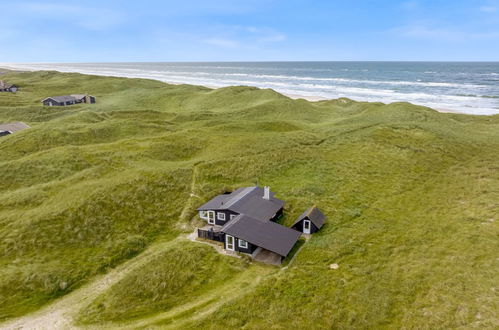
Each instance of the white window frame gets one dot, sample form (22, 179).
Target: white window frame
(233, 245)
(203, 215)
(211, 219)
(221, 216)
(242, 244)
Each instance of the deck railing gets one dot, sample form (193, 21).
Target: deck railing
(211, 235)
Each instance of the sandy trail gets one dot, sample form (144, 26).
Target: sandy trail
(201, 306)
(61, 313)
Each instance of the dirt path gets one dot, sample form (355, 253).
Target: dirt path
(60, 313)
(184, 215)
(202, 306)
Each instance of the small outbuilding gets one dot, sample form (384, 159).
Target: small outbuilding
(4, 87)
(64, 100)
(310, 221)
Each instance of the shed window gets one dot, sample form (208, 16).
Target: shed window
(221, 216)
(243, 244)
(203, 214)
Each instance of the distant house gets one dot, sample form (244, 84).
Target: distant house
(4, 87)
(68, 100)
(310, 221)
(10, 128)
(244, 221)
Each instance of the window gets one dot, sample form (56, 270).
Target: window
(243, 244)
(232, 216)
(203, 214)
(221, 216)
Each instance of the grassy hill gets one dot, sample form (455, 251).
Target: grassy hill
(411, 195)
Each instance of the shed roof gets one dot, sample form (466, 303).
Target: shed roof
(313, 214)
(248, 200)
(266, 234)
(13, 127)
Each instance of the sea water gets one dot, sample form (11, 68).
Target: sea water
(467, 87)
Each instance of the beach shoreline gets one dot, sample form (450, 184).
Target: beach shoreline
(292, 95)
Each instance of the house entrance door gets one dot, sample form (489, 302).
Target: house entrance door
(229, 243)
(211, 217)
(306, 226)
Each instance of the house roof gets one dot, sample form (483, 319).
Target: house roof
(4, 85)
(248, 200)
(266, 234)
(13, 127)
(67, 98)
(80, 96)
(62, 98)
(313, 214)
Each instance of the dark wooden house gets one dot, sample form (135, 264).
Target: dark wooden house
(310, 221)
(68, 100)
(4, 87)
(244, 221)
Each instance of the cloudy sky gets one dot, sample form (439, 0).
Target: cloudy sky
(248, 30)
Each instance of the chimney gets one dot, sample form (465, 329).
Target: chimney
(266, 192)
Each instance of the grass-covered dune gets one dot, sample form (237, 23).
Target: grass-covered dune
(412, 197)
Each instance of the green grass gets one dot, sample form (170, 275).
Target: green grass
(293, 251)
(174, 277)
(410, 194)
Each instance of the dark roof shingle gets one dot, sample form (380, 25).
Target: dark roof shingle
(266, 234)
(248, 200)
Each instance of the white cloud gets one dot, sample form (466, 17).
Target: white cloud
(220, 42)
(264, 34)
(488, 9)
(445, 34)
(243, 37)
(410, 5)
(427, 32)
(83, 16)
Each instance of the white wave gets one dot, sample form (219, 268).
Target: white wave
(325, 87)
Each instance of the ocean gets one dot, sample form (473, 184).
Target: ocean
(467, 87)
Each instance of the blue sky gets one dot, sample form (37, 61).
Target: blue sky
(249, 30)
